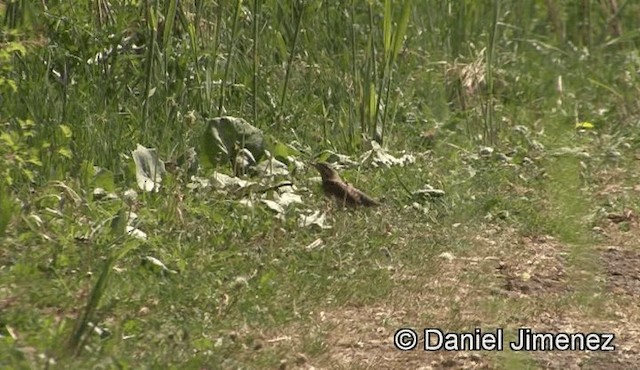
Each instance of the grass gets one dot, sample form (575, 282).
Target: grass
(486, 98)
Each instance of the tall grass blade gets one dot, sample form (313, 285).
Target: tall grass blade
(168, 26)
(81, 329)
(256, 62)
(152, 29)
(298, 12)
(490, 129)
(398, 38)
(386, 29)
(227, 68)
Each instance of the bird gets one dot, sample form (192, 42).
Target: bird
(344, 194)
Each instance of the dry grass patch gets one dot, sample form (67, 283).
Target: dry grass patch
(508, 281)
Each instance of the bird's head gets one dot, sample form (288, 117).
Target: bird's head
(326, 172)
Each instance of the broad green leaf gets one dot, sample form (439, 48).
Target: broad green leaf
(372, 101)
(119, 223)
(401, 29)
(66, 131)
(87, 172)
(225, 136)
(7, 207)
(104, 179)
(15, 47)
(283, 151)
(168, 24)
(65, 152)
(8, 140)
(387, 28)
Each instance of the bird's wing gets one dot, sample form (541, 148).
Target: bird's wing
(339, 190)
(347, 194)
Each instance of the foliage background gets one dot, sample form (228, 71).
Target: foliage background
(81, 83)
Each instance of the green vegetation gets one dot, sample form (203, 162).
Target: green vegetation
(524, 113)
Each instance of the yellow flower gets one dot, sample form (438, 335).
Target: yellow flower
(585, 125)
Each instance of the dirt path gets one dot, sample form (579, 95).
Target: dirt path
(509, 282)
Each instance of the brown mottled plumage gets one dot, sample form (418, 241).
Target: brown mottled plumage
(344, 193)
